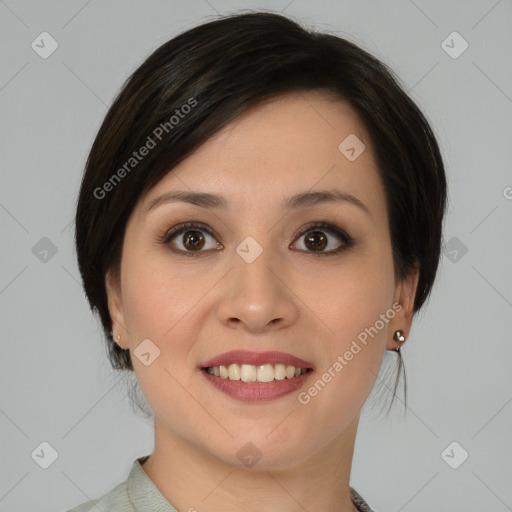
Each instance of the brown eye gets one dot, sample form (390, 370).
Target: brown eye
(316, 241)
(321, 236)
(190, 239)
(193, 240)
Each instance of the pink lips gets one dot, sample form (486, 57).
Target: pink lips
(256, 359)
(256, 391)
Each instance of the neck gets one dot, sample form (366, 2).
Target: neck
(192, 479)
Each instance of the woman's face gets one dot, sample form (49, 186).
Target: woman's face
(256, 276)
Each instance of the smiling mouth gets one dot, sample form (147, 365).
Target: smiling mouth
(252, 373)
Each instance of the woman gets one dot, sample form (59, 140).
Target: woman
(259, 220)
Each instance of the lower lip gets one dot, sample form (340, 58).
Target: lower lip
(257, 391)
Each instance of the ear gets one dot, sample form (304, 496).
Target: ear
(405, 293)
(115, 307)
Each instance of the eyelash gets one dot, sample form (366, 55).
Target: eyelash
(169, 235)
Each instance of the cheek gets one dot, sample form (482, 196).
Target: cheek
(162, 303)
(359, 291)
(357, 309)
(358, 314)
(158, 303)
(158, 295)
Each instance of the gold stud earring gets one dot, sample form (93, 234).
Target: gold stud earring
(399, 336)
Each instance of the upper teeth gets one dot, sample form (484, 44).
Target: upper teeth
(251, 373)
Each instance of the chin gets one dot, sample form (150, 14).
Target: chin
(262, 453)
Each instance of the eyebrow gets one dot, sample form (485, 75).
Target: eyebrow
(303, 200)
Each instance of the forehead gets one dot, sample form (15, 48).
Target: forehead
(289, 145)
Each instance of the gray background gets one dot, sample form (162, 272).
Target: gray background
(56, 383)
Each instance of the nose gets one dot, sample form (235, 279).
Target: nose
(256, 296)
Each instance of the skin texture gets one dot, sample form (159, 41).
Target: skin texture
(288, 299)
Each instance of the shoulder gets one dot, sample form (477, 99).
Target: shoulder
(116, 500)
